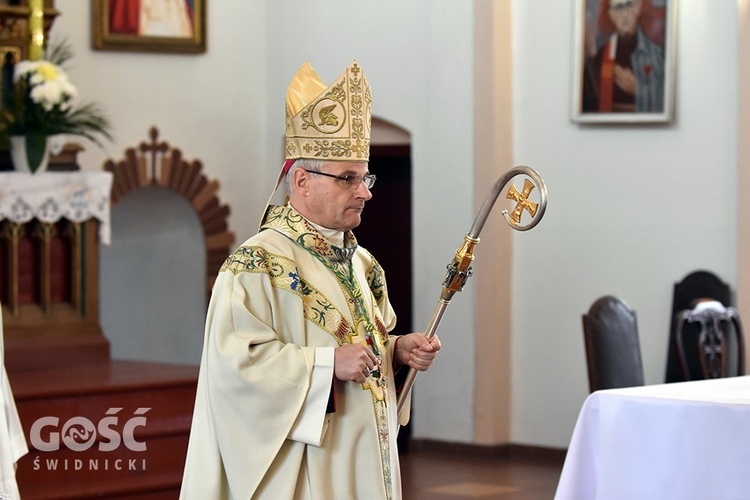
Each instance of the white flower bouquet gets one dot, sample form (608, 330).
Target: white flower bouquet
(41, 103)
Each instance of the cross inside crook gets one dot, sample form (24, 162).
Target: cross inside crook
(522, 201)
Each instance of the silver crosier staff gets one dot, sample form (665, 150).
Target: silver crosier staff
(459, 269)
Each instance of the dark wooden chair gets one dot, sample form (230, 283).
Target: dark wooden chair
(696, 286)
(719, 327)
(613, 352)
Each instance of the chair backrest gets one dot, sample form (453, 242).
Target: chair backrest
(698, 285)
(718, 327)
(613, 351)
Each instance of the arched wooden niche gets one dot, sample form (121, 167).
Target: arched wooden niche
(155, 163)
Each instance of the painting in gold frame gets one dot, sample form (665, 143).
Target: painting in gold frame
(177, 26)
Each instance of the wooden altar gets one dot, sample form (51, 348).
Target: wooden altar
(49, 246)
(56, 354)
(58, 357)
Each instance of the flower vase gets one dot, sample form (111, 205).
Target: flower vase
(29, 153)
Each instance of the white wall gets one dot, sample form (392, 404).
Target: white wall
(226, 107)
(632, 209)
(211, 105)
(201, 104)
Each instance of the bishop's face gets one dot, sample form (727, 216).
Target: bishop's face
(625, 14)
(335, 203)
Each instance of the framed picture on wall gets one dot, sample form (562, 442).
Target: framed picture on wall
(150, 25)
(624, 61)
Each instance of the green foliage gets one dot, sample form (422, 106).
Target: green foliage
(41, 102)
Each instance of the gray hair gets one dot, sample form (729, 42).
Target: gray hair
(303, 163)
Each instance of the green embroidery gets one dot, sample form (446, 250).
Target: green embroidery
(283, 274)
(367, 328)
(376, 280)
(291, 224)
(381, 419)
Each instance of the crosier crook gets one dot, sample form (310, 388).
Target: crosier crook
(459, 269)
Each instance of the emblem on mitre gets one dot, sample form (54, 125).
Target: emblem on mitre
(328, 123)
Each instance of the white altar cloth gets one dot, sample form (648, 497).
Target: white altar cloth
(688, 440)
(50, 196)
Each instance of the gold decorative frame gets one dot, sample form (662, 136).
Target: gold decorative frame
(593, 27)
(131, 38)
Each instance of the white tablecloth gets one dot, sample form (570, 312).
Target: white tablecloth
(688, 440)
(50, 196)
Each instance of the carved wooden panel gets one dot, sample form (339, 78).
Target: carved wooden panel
(14, 28)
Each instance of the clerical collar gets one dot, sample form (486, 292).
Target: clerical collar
(327, 243)
(335, 236)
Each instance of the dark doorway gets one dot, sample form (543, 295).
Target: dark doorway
(386, 232)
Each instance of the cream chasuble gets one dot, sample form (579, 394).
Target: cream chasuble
(12, 442)
(280, 305)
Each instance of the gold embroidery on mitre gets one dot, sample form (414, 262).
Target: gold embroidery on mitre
(329, 124)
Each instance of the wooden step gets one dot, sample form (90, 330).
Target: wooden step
(43, 352)
(161, 395)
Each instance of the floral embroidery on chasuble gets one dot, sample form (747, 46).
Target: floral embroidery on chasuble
(365, 327)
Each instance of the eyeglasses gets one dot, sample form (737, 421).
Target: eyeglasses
(621, 7)
(350, 181)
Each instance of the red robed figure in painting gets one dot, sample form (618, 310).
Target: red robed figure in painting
(151, 17)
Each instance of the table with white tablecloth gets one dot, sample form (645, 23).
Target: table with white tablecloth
(50, 252)
(51, 196)
(687, 440)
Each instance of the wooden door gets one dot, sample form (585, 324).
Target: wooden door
(386, 231)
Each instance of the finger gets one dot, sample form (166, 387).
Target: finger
(425, 357)
(367, 362)
(367, 372)
(420, 365)
(422, 342)
(359, 377)
(422, 356)
(435, 343)
(365, 353)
